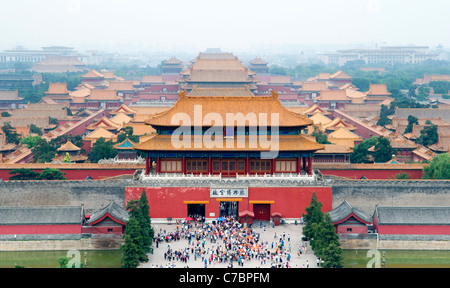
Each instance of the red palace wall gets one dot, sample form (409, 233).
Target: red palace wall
(40, 229)
(102, 230)
(414, 229)
(75, 174)
(342, 229)
(172, 201)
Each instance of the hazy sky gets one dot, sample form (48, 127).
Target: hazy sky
(231, 25)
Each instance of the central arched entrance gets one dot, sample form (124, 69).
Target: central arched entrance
(229, 208)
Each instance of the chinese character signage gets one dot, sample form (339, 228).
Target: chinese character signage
(229, 192)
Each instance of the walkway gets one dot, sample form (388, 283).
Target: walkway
(292, 239)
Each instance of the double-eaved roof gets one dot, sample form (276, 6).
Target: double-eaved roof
(222, 105)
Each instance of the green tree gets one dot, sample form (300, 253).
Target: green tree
(384, 113)
(10, 133)
(439, 168)
(423, 93)
(127, 132)
(67, 158)
(35, 129)
(54, 121)
(5, 114)
(69, 112)
(312, 218)
(30, 141)
(332, 256)
(383, 150)
(23, 174)
(147, 230)
(402, 176)
(440, 87)
(360, 151)
(52, 174)
(327, 245)
(132, 249)
(102, 149)
(411, 121)
(63, 262)
(140, 209)
(43, 152)
(429, 134)
(321, 137)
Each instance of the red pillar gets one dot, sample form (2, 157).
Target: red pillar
(299, 165)
(272, 167)
(209, 165)
(310, 165)
(158, 165)
(147, 165)
(183, 166)
(247, 166)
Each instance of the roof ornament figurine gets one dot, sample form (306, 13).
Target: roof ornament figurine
(274, 93)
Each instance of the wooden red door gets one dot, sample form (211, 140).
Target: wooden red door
(262, 211)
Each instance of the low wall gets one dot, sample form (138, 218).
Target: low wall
(94, 195)
(366, 194)
(61, 245)
(76, 171)
(370, 171)
(394, 242)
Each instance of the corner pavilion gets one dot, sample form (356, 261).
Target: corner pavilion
(259, 161)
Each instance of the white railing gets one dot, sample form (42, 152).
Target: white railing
(208, 177)
(116, 160)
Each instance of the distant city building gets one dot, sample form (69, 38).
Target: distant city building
(383, 55)
(20, 54)
(60, 64)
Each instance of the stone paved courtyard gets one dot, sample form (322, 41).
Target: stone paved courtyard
(306, 260)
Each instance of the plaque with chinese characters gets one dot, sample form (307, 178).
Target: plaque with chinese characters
(229, 192)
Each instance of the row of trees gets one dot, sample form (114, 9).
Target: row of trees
(138, 233)
(320, 231)
(46, 174)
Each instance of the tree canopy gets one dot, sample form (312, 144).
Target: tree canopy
(429, 134)
(320, 230)
(23, 174)
(360, 151)
(321, 137)
(10, 133)
(132, 249)
(439, 168)
(102, 149)
(411, 121)
(383, 150)
(138, 233)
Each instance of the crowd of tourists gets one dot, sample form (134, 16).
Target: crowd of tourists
(228, 242)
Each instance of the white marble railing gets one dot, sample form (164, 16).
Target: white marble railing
(208, 177)
(116, 160)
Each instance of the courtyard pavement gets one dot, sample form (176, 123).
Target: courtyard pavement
(305, 260)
